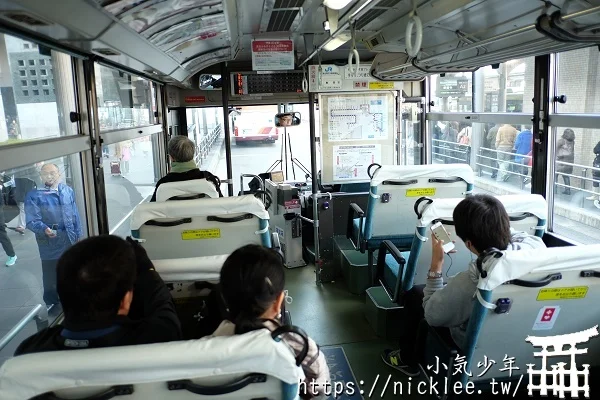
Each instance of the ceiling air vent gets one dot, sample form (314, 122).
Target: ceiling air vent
(24, 18)
(107, 52)
(374, 42)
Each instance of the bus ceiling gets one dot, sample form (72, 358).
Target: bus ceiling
(174, 41)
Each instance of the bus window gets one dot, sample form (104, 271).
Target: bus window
(35, 97)
(579, 80)
(498, 153)
(129, 177)
(576, 183)
(43, 214)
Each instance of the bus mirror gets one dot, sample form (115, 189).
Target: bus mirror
(287, 119)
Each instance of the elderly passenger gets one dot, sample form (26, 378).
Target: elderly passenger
(183, 168)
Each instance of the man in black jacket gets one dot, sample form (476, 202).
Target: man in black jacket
(111, 296)
(183, 168)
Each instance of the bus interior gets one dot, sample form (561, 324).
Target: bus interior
(353, 126)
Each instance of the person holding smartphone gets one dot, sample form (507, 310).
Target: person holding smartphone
(481, 222)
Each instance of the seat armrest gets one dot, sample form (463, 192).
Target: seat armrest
(387, 247)
(355, 211)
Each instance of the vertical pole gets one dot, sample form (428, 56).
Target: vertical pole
(94, 128)
(315, 183)
(225, 93)
(542, 139)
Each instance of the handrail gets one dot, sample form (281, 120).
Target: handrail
(356, 15)
(19, 326)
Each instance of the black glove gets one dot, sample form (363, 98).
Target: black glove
(143, 262)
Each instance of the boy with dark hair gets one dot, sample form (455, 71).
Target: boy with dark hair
(111, 296)
(481, 222)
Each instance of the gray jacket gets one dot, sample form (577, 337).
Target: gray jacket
(451, 305)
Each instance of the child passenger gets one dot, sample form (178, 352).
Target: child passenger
(252, 283)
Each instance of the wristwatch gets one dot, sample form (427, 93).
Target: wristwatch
(431, 274)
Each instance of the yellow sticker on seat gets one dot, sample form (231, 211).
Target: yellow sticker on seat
(562, 293)
(420, 192)
(195, 234)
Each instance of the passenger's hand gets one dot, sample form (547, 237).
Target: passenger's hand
(437, 254)
(143, 261)
(50, 233)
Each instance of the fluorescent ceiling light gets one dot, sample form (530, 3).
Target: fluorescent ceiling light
(336, 4)
(337, 41)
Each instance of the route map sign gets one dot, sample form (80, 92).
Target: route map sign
(362, 118)
(351, 162)
(357, 130)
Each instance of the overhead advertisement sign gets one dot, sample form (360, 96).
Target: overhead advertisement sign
(272, 55)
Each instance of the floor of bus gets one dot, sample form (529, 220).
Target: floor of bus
(333, 316)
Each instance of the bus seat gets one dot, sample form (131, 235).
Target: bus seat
(528, 213)
(189, 240)
(253, 365)
(186, 190)
(527, 295)
(390, 209)
(204, 230)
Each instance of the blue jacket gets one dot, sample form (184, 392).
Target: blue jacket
(54, 209)
(523, 144)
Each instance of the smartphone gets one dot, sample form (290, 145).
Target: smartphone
(441, 234)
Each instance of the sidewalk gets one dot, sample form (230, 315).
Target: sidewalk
(211, 162)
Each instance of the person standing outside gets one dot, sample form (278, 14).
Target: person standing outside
(491, 144)
(565, 157)
(52, 215)
(522, 148)
(7, 245)
(505, 142)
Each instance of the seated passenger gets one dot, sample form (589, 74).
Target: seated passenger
(111, 296)
(481, 222)
(183, 167)
(252, 282)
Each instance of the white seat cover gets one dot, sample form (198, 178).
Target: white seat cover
(443, 209)
(391, 172)
(248, 204)
(30, 375)
(514, 204)
(516, 264)
(190, 269)
(402, 185)
(169, 190)
(564, 304)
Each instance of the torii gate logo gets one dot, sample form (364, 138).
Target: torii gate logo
(558, 372)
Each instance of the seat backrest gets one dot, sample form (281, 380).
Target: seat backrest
(551, 292)
(394, 189)
(190, 239)
(192, 189)
(528, 213)
(262, 367)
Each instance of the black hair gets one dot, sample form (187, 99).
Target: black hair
(251, 279)
(93, 276)
(482, 220)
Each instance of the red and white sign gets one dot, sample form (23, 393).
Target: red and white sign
(195, 99)
(546, 318)
(272, 55)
